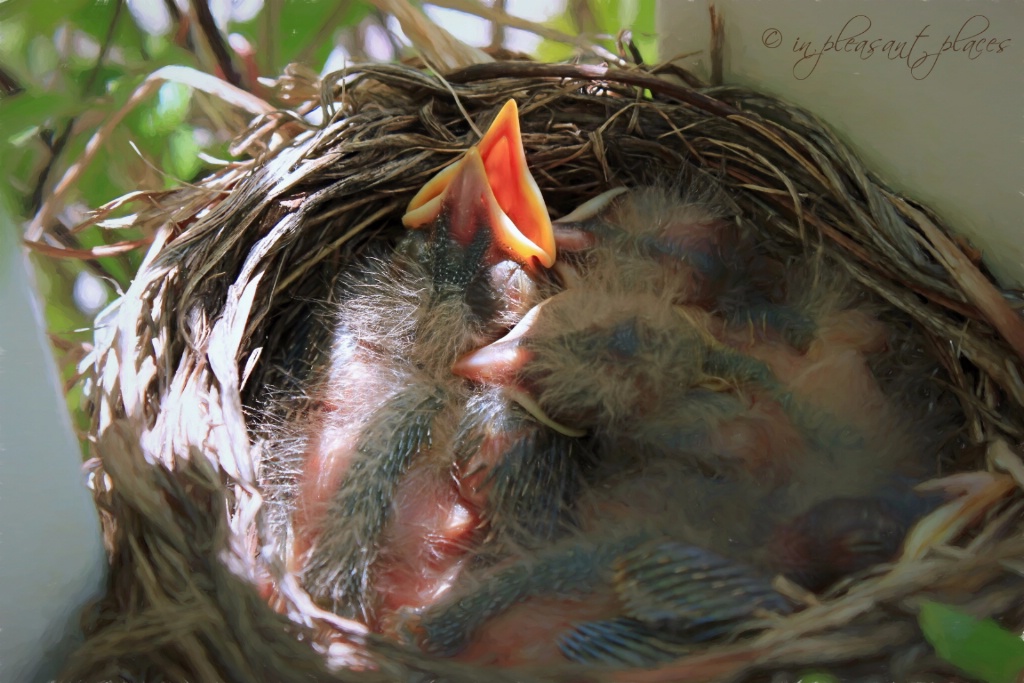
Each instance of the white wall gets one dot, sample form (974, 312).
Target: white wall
(952, 138)
(948, 131)
(51, 557)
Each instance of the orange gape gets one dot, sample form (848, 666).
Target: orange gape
(379, 521)
(600, 456)
(517, 214)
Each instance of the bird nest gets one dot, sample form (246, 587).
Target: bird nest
(225, 316)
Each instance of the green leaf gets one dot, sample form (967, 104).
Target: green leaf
(636, 15)
(13, 37)
(818, 677)
(553, 50)
(168, 112)
(162, 51)
(94, 17)
(980, 647)
(40, 18)
(644, 24)
(298, 23)
(182, 159)
(29, 110)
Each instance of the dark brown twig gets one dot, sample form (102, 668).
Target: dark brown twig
(57, 146)
(717, 43)
(219, 46)
(9, 85)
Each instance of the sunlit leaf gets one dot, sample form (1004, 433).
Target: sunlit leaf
(183, 154)
(980, 647)
(42, 56)
(607, 15)
(552, 50)
(168, 110)
(13, 37)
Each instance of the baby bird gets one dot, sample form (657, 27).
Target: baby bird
(665, 561)
(723, 451)
(639, 372)
(634, 353)
(379, 521)
(605, 463)
(631, 586)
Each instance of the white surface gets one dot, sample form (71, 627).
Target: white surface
(944, 127)
(51, 556)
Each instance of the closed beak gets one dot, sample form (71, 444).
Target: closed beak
(499, 363)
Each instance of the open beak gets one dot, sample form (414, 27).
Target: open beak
(493, 179)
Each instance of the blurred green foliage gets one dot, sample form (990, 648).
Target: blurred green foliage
(67, 66)
(605, 19)
(978, 646)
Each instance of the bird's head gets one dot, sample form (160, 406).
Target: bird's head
(482, 237)
(841, 536)
(660, 236)
(588, 359)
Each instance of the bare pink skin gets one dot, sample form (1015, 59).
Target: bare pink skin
(527, 634)
(435, 521)
(332, 447)
(431, 530)
(431, 527)
(472, 476)
(763, 440)
(836, 358)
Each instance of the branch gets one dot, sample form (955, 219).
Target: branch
(216, 41)
(57, 146)
(9, 85)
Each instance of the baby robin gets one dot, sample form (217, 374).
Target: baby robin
(606, 463)
(378, 518)
(723, 450)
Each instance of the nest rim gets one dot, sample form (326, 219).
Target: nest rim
(227, 265)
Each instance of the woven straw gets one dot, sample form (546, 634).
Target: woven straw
(222, 318)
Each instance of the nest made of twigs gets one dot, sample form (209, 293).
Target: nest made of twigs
(221, 313)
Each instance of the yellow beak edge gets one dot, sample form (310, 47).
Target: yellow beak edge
(519, 216)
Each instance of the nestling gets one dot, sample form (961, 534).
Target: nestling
(601, 455)
(378, 518)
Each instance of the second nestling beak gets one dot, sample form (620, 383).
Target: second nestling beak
(490, 186)
(501, 362)
(592, 359)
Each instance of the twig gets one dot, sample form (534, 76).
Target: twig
(216, 42)
(717, 41)
(511, 21)
(594, 72)
(57, 146)
(978, 289)
(498, 28)
(196, 79)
